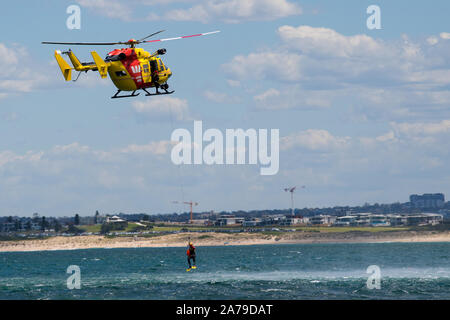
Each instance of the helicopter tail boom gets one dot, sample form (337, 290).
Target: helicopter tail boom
(76, 63)
(64, 66)
(82, 66)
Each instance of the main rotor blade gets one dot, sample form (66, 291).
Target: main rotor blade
(183, 37)
(86, 43)
(153, 34)
(128, 42)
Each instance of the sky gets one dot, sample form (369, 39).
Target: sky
(363, 114)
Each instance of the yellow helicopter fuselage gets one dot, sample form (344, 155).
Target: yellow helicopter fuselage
(138, 70)
(130, 69)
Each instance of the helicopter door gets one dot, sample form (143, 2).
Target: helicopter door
(154, 70)
(161, 67)
(146, 75)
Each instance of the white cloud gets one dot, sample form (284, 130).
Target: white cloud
(329, 43)
(162, 108)
(235, 11)
(19, 75)
(432, 40)
(265, 65)
(10, 57)
(271, 93)
(220, 97)
(77, 177)
(155, 147)
(110, 8)
(293, 96)
(325, 58)
(7, 157)
(315, 140)
(396, 79)
(233, 83)
(414, 136)
(389, 136)
(414, 129)
(228, 11)
(445, 35)
(77, 150)
(70, 149)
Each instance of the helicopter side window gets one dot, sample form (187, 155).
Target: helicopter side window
(146, 69)
(121, 73)
(161, 65)
(117, 57)
(110, 58)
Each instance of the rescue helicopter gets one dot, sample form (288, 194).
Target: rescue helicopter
(130, 69)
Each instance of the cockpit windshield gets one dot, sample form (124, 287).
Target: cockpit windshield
(112, 58)
(115, 57)
(162, 67)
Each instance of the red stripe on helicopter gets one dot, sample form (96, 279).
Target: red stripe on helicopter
(183, 37)
(132, 65)
(194, 35)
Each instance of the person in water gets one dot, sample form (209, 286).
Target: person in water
(191, 255)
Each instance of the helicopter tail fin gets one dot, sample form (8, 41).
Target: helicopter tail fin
(64, 66)
(101, 65)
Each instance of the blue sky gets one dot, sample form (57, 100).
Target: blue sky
(363, 114)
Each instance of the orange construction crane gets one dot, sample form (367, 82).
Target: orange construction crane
(190, 203)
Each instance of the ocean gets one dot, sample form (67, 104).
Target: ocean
(294, 271)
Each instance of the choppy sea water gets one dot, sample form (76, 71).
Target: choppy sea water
(297, 271)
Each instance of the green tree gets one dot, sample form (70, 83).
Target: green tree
(17, 225)
(96, 217)
(105, 228)
(73, 229)
(35, 217)
(43, 223)
(77, 220)
(56, 225)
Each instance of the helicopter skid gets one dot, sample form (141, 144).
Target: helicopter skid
(157, 93)
(126, 96)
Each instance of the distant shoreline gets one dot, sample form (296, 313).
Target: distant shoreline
(218, 239)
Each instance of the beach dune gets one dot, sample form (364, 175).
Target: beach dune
(218, 239)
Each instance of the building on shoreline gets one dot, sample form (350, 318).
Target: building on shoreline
(365, 219)
(427, 200)
(322, 220)
(22, 224)
(381, 220)
(228, 220)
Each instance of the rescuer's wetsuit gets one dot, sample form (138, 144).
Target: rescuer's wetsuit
(191, 255)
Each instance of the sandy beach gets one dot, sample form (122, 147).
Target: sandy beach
(219, 239)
